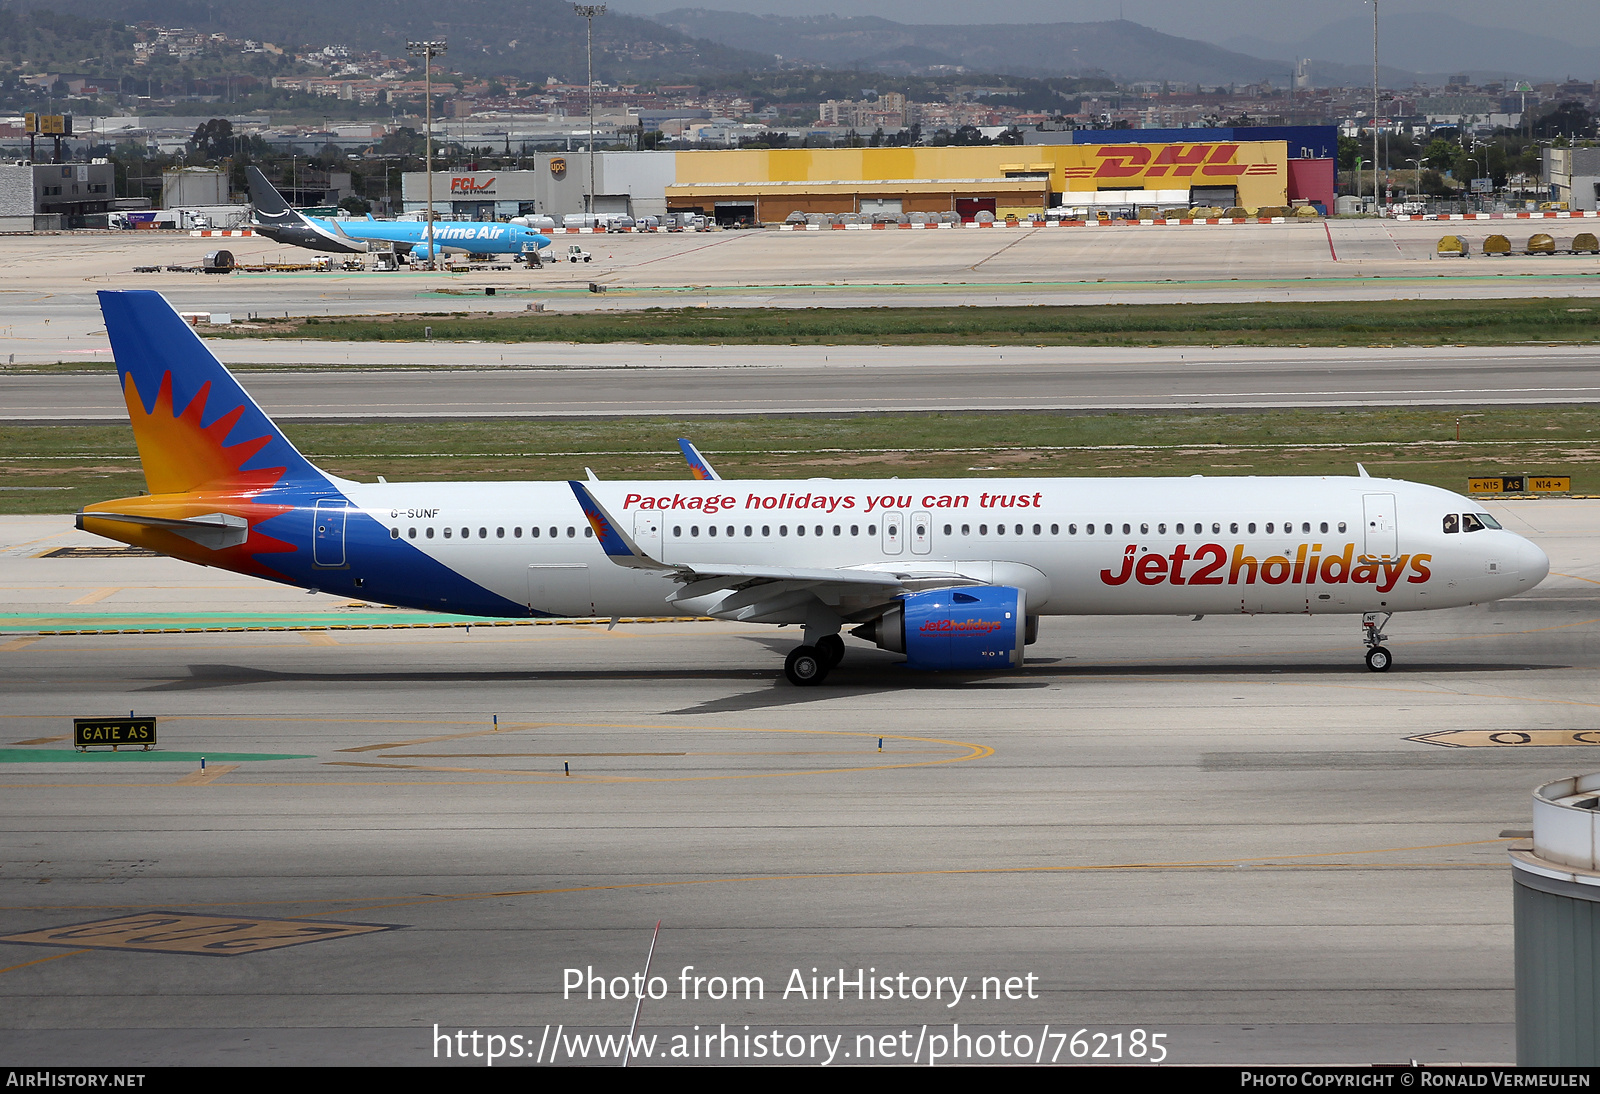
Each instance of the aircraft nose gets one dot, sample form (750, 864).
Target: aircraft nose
(1532, 563)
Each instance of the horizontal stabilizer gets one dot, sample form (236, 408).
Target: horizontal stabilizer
(213, 531)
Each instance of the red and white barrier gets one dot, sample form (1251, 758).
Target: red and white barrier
(1563, 214)
(1047, 224)
(208, 232)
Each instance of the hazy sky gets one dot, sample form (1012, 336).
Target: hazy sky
(1574, 21)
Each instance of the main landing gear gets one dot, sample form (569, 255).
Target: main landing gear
(1378, 657)
(807, 665)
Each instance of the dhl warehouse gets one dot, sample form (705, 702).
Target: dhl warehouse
(1250, 168)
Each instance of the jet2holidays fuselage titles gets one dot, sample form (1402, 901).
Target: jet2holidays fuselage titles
(278, 222)
(954, 574)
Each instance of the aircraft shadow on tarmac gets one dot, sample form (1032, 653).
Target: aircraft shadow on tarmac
(871, 673)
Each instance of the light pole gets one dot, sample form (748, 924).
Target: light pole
(588, 12)
(1374, 102)
(1417, 178)
(428, 51)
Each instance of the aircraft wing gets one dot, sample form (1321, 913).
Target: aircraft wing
(760, 592)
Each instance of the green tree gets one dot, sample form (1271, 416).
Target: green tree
(213, 140)
(1441, 155)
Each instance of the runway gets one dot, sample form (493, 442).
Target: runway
(604, 381)
(1226, 831)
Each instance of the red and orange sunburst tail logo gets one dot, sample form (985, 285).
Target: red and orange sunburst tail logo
(192, 471)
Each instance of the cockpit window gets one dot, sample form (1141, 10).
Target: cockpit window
(1471, 523)
(1488, 521)
(1452, 523)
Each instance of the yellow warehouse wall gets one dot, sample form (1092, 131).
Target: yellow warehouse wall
(1258, 168)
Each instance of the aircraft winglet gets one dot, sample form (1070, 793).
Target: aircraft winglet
(617, 544)
(699, 467)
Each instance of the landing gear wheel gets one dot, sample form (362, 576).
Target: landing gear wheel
(805, 666)
(1379, 659)
(830, 648)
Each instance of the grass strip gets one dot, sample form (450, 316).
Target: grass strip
(1331, 323)
(58, 469)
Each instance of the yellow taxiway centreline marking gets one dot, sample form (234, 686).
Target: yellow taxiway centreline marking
(19, 643)
(1574, 577)
(96, 596)
(40, 961)
(973, 752)
(319, 638)
(205, 778)
(979, 870)
(1260, 861)
(43, 740)
(489, 732)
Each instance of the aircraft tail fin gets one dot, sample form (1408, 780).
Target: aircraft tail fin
(266, 199)
(699, 466)
(196, 428)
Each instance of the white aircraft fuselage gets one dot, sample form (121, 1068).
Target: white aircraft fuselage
(955, 573)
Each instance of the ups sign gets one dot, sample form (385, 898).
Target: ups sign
(558, 166)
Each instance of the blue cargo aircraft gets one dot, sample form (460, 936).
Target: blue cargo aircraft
(277, 221)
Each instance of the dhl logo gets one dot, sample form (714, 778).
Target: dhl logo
(1211, 565)
(470, 185)
(1127, 161)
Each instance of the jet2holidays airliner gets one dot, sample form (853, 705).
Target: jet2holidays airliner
(278, 222)
(954, 574)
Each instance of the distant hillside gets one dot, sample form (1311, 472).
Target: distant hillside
(1122, 49)
(1438, 43)
(527, 38)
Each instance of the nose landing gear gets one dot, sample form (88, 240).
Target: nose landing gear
(1378, 657)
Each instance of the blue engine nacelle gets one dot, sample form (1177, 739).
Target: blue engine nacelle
(974, 628)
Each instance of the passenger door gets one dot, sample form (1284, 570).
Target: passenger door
(1382, 530)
